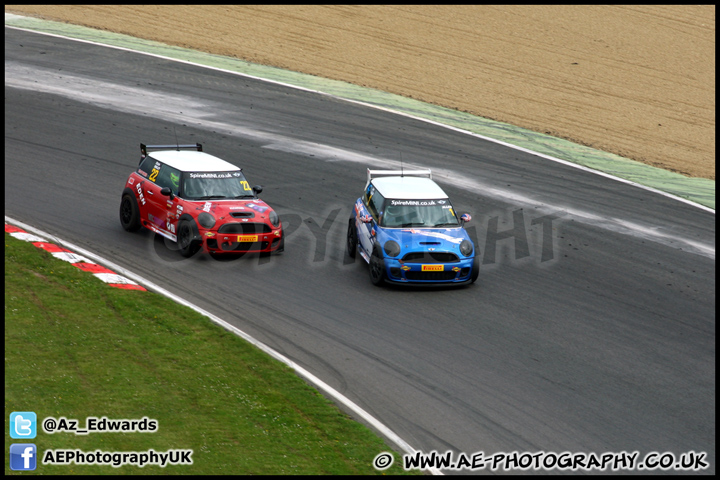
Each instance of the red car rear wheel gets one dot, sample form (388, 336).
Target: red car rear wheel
(129, 213)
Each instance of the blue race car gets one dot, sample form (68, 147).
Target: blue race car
(405, 227)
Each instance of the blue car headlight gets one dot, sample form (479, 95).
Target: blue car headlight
(466, 248)
(206, 220)
(392, 249)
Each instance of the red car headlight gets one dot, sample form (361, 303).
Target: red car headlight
(206, 220)
(274, 219)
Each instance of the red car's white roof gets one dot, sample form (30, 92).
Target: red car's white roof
(190, 161)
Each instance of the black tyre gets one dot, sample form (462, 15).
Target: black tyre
(377, 268)
(186, 238)
(129, 213)
(351, 239)
(475, 269)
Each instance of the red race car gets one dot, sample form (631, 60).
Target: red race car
(198, 201)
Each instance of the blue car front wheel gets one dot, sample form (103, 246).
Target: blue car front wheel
(377, 268)
(475, 269)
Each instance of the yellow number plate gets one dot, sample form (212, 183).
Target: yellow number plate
(433, 268)
(247, 238)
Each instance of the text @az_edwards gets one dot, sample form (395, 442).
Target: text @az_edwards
(99, 425)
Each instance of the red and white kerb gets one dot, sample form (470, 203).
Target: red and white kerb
(107, 276)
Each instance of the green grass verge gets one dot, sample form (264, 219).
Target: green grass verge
(76, 347)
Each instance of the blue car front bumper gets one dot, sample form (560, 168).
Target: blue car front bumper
(455, 273)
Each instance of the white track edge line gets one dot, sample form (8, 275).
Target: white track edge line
(380, 427)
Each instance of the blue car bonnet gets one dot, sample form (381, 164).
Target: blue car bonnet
(414, 239)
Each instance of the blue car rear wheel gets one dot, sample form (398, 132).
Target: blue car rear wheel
(351, 238)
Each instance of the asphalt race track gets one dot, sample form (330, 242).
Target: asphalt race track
(590, 329)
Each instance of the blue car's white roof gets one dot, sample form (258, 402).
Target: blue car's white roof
(408, 188)
(190, 161)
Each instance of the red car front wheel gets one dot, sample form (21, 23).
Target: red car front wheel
(187, 233)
